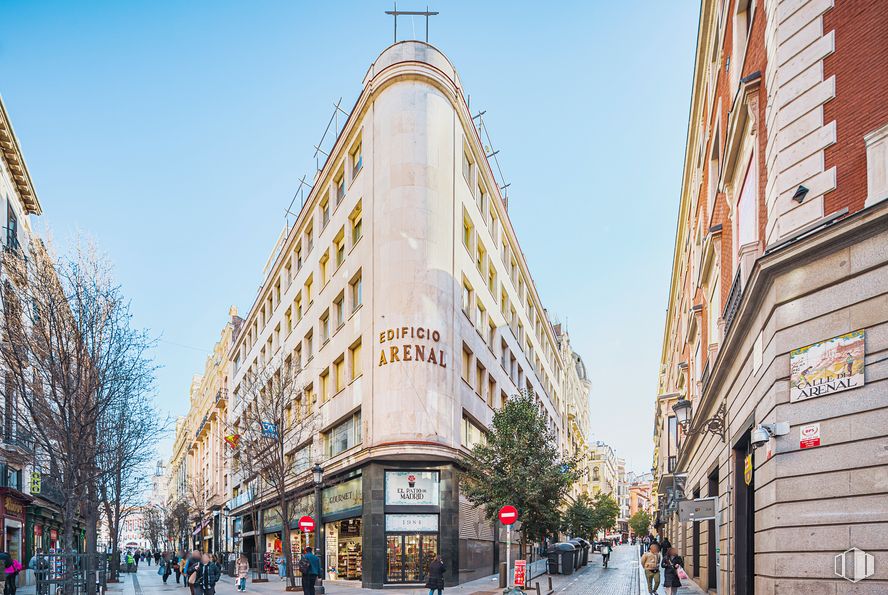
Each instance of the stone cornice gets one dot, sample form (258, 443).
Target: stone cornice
(15, 161)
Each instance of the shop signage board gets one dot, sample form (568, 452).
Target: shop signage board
(827, 367)
(411, 523)
(809, 436)
(411, 488)
(520, 572)
(701, 509)
(343, 497)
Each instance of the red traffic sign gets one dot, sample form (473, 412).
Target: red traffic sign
(307, 523)
(508, 515)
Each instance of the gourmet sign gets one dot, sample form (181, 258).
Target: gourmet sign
(411, 344)
(411, 488)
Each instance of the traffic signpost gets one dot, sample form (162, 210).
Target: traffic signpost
(508, 515)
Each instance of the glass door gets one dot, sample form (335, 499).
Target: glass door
(408, 557)
(412, 559)
(394, 552)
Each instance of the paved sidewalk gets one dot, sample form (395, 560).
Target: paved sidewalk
(689, 587)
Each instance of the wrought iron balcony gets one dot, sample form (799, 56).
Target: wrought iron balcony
(733, 303)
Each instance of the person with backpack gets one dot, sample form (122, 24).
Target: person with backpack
(310, 569)
(207, 573)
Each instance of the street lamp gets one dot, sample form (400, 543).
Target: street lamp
(226, 516)
(318, 476)
(716, 424)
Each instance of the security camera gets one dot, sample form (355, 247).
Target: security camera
(761, 434)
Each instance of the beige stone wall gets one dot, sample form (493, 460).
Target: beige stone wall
(815, 503)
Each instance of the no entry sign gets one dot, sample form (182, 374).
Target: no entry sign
(508, 515)
(307, 524)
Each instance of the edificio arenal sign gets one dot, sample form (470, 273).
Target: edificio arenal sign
(701, 509)
(827, 367)
(411, 344)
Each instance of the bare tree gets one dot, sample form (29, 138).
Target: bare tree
(155, 531)
(68, 350)
(178, 523)
(276, 426)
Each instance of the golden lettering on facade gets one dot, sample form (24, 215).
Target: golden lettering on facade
(410, 352)
(13, 506)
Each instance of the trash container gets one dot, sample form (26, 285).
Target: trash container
(554, 565)
(582, 551)
(565, 555)
(578, 553)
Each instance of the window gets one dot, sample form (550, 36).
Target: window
(480, 256)
(467, 365)
(746, 206)
(309, 400)
(713, 172)
(467, 299)
(714, 309)
(325, 326)
(357, 159)
(344, 436)
(491, 333)
(325, 213)
(491, 280)
(482, 200)
(472, 433)
(354, 356)
(491, 390)
(480, 379)
(480, 318)
(339, 247)
(288, 317)
(298, 259)
(339, 373)
(355, 289)
(467, 233)
(339, 182)
(309, 239)
(298, 304)
(308, 284)
(324, 269)
(309, 346)
(339, 309)
(356, 222)
(467, 168)
(325, 385)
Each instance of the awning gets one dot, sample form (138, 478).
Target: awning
(203, 524)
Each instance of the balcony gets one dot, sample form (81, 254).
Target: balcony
(15, 443)
(201, 426)
(222, 397)
(733, 303)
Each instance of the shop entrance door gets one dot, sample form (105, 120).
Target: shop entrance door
(408, 556)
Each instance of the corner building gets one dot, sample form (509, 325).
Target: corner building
(778, 305)
(402, 293)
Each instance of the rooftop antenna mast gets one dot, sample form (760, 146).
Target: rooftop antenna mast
(411, 13)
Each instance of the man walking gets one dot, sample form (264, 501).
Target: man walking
(650, 561)
(310, 567)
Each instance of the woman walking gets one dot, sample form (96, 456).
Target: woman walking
(672, 571)
(436, 576)
(243, 569)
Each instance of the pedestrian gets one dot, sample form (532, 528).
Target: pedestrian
(148, 557)
(190, 570)
(157, 556)
(207, 573)
(243, 569)
(130, 563)
(12, 573)
(136, 557)
(176, 564)
(310, 567)
(281, 562)
(166, 564)
(436, 576)
(672, 571)
(650, 561)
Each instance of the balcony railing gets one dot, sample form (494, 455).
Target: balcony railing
(733, 303)
(671, 463)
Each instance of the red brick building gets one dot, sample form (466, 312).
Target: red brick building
(780, 259)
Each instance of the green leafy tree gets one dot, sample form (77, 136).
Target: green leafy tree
(640, 523)
(604, 512)
(578, 519)
(519, 464)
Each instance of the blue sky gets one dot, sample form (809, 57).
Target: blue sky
(175, 133)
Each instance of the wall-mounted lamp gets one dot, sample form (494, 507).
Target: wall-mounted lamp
(717, 424)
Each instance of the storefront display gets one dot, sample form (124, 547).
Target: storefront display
(411, 528)
(343, 549)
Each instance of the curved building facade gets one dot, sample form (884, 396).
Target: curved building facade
(403, 296)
